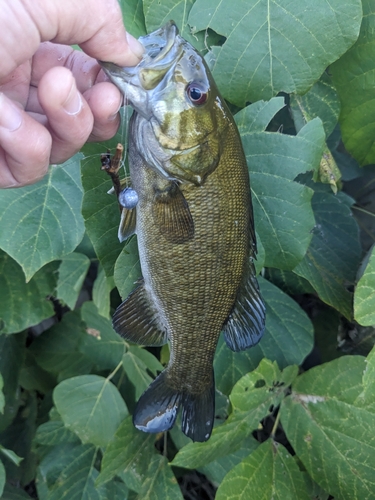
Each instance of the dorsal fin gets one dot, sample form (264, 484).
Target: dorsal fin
(137, 320)
(245, 325)
(172, 214)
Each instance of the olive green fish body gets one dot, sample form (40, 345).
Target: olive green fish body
(195, 231)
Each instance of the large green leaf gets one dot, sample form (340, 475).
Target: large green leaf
(158, 13)
(333, 257)
(160, 482)
(102, 344)
(54, 432)
(24, 304)
(276, 46)
(132, 11)
(42, 222)
(58, 349)
(72, 272)
(320, 101)
(251, 398)
(137, 362)
(329, 431)
(101, 292)
(99, 209)
(218, 469)
(126, 454)
(84, 402)
(282, 207)
(127, 269)
(13, 493)
(268, 472)
(353, 76)
(364, 295)
(71, 473)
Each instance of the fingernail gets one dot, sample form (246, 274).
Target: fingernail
(73, 103)
(135, 46)
(115, 115)
(10, 114)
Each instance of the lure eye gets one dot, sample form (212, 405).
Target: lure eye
(196, 94)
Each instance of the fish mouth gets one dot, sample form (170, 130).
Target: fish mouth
(162, 50)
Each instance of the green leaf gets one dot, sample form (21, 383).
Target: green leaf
(34, 378)
(2, 478)
(58, 349)
(12, 355)
(102, 344)
(127, 268)
(99, 209)
(158, 13)
(84, 402)
(134, 20)
(329, 431)
(160, 482)
(333, 257)
(126, 454)
(276, 46)
(13, 457)
(42, 222)
(353, 76)
(289, 282)
(54, 432)
(282, 207)
(268, 472)
(24, 304)
(72, 475)
(218, 469)
(369, 379)
(13, 493)
(101, 293)
(136, 361)
(320, 101)
(364, 295)
(72, 272)
(251, 398)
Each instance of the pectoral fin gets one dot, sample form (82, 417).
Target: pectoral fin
(127, 224)
(172, 214)
(245, 325)
(137, 321)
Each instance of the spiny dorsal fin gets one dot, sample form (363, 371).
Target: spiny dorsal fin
(172, 214)
(127, 225)
(137, 321)
(245, 325)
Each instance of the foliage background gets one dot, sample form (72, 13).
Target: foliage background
(293, 421)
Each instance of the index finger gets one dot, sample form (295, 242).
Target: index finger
(95, 25)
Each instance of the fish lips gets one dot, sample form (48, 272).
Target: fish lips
(163, 48)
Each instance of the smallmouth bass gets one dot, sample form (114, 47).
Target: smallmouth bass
(195, 230)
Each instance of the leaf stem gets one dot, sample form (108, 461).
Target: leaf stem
(275, 425)
(112, 374)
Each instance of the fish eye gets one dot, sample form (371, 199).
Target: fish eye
(196, 94)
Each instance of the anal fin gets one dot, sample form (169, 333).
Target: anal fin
(245, 325)
(172, 214)
(137, 321)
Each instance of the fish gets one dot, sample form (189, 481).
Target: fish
(195, 231)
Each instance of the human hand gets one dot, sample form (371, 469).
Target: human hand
(54, 99)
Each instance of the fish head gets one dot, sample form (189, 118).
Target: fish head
(176, 98)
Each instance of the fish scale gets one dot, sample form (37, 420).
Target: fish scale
(195, 231)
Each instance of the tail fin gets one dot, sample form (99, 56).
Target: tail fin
(157, 408)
